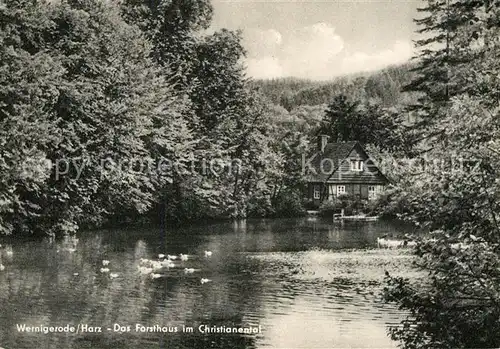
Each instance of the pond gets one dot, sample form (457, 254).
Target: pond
(295, 283)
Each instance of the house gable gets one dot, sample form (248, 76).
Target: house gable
(369, 175)
(325, 163)
(334, 166)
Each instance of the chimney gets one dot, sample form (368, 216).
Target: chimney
(323, 142)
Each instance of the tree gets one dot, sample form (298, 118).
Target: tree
(225, 117)
(172, 27)
(368, 123)
(341, 120)
(28, 90)
(457, 198)
(89, 98)
(449, 39)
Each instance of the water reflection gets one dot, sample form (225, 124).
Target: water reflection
(308, 283)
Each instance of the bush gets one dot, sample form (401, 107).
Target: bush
(328, 208)
(260, 207)
(288, 204)
(350, 204)
(310, 205)
(391, 204)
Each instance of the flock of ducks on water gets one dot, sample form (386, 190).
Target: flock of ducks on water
(146, 266)
(385, 242)
(154, 267)
(165, 262)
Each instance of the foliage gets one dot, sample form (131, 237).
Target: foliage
(171, 27)
(260, 207)
(343, 120)
(451, 38)
(328, 208)
(99, 100)
(392, 203)
(382, 87)
(228, 119)
(288, 204)
(106, 93)
(346, 120)
(31, 81)
(351, 205)
(457, 199)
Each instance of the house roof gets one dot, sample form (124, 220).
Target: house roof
(336, 153)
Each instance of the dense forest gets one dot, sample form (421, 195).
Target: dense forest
(371, 108)
(383, 87)
(448, 182)
(111, 111)
(118, 112)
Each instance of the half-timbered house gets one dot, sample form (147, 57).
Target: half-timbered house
(342, 169)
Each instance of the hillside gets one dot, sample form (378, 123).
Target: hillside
(383, 86)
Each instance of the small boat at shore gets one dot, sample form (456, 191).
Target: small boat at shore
(361, 218)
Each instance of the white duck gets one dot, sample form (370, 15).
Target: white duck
(145, 270)
(167, 263)
(204, 280)
(183, 257)
(188, 270)
(8, 251)
(156, 265)
(208, 253)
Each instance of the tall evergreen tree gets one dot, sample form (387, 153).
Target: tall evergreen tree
(341, 118)
(448, 42)
(345, 120)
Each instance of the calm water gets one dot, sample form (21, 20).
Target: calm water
(306, 282)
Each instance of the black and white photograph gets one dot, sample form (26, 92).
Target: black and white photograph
(249, 174)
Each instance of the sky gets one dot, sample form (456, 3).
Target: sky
(320, 39)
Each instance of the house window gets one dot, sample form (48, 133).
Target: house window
(340, 190)
(373, 191)
(317, 192)
(331, 192)
(357, 165)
